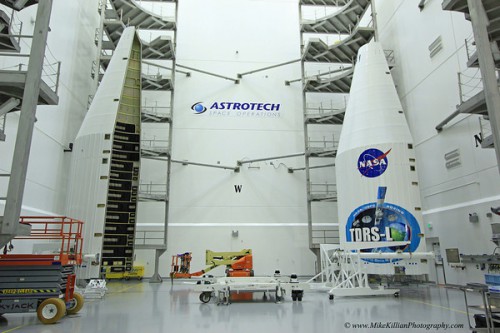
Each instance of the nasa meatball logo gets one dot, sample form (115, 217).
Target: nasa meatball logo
(373, 162)
(198, 108)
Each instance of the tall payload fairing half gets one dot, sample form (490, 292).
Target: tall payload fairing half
(104, 176)
(377, 183)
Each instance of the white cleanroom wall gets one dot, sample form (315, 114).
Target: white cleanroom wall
(429, 91)
(263, 120)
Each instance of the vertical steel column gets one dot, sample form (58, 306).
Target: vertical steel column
(102, 15)
(306, 139)
(10, 223)
(487, 66)
(156, 278)
(375, 22)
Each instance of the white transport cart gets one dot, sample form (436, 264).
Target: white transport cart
(220, 288)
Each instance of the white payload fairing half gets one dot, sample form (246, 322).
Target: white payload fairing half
(377, 183)
(105, 163)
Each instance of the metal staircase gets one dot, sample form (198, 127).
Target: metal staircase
(14, 96)
(342, 21)
(156, 82)
(492, 9)
(130, 13)
(159, 48)
(155, 149)
(343, 52)
(115, 16)
(13, 78)
(477, 103)
(338, 60)
(324, 115)
(152, 192)
(18, 4)
(118, 14)
(337, 82)
(12, 85)
(327, 147)
(155, 114)
(8, 39)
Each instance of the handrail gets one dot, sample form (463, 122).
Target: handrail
(63, 228)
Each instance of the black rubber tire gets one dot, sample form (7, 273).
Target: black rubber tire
(299, 297)
(396, 295)
(76, 304)
(205, 297)
(330, 297)
(294, 297)
(51, 310)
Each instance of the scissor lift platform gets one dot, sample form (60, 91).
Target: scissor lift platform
(43, 283)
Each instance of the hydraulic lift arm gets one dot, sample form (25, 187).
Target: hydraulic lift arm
(237, 263)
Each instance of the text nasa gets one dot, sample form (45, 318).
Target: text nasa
(371, 163)
(369, 234)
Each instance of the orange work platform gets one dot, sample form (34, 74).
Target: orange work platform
(43, 282)
(67, 230)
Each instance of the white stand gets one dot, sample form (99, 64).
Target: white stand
(352, 280)
(95, 289)
(343, 275)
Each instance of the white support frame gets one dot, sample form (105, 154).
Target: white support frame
(343, 274)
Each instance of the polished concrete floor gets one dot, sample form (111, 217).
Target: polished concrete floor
(141, 307)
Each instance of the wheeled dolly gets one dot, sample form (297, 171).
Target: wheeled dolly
(221, 288)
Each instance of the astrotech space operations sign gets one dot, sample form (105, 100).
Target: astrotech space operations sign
(239, 109)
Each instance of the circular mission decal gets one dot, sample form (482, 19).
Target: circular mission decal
(383, 223)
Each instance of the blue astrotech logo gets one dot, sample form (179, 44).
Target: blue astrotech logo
(198, 108)
(373, 162)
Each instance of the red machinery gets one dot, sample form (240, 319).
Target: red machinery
(44, 283)
(181, 265)
(242, 267)
(238, 264)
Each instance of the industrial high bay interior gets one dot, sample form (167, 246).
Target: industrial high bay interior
(175, 127)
